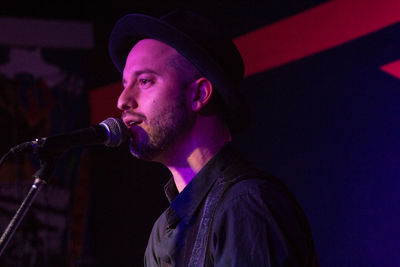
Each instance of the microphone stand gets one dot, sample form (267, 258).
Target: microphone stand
(40, 178)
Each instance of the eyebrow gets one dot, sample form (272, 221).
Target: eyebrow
(139, 72)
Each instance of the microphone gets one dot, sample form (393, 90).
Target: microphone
(111, 132)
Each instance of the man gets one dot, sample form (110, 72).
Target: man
(181, 102)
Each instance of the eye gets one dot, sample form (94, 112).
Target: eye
(144, 83)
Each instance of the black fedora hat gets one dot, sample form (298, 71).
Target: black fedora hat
(198, 40)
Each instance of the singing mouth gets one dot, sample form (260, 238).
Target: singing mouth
(133, 127)
(131, 119)
(131, 122)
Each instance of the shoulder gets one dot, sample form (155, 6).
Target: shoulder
(265, 199)
(260, 187)
(263, 212)
(245, 179)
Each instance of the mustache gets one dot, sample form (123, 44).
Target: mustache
(135, 115)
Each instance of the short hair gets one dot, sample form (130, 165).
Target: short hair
(216, 104)
(183, 65)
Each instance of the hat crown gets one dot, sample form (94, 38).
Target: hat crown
(212, 39)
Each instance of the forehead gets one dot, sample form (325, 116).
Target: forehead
(151, 49)
(148, 55)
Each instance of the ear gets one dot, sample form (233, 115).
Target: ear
(201, 94)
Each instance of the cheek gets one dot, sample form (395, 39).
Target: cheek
(161, 99)
(147, 103)
(156, 103)
(153, 109)
(153, 105)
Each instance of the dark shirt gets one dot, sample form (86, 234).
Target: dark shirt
(257, 222)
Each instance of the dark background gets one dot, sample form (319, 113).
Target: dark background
(327, 125)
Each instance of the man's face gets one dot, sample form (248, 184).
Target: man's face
(154, 100)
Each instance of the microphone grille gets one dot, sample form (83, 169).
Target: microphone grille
(116, 130)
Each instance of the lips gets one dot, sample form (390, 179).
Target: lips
(132, 119)
(132, 128)
(131, 123)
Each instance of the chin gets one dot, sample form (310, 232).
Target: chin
(144, 152)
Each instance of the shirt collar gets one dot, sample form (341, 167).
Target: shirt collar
(188, 201)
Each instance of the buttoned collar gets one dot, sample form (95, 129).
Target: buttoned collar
(186, 203)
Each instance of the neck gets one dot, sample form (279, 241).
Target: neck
(193, 151)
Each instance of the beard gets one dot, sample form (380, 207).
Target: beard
(151, 140)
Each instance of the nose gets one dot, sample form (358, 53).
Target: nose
(127, 100)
